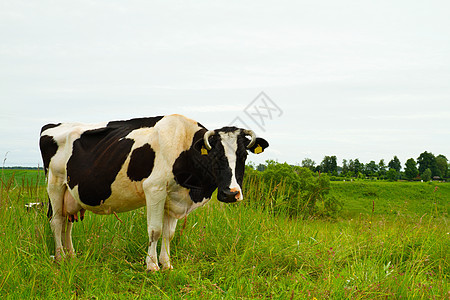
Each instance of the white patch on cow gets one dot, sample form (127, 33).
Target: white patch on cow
(229, 142)
(197, 205)
(142, 136)
(179, 203)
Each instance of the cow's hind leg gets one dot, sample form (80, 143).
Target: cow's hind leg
(67, 239)
(58, 221)
(169, 225)
(70, 210)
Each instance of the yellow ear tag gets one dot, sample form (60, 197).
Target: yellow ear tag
(204, 151)
(258, 149)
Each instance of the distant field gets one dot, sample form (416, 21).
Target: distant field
(30, 177)
(392, 198)
(398, 248)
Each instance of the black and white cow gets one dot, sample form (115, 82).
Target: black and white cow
(171, 164)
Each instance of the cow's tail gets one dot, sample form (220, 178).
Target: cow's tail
(50, 210)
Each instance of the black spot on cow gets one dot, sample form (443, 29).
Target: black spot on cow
(141, 163)
(191, 170)
(135, 123)
(48, 148)
(49, 126)
(97, 157)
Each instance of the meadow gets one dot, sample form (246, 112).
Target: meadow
(388, 240)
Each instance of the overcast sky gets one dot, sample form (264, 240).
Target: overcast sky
(355, 79)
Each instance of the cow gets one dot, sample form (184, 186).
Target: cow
(170, 164)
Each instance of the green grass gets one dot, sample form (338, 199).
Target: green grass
(237, 252)
(23, 177)
(392, 198)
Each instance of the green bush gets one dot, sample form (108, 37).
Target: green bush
(392, 175)
(293, 190)
(426, 175)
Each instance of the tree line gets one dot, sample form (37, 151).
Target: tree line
(426, 167)
(21, 168)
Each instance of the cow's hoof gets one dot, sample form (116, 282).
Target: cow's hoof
(152, 269)
(167, 268)
(59, 255)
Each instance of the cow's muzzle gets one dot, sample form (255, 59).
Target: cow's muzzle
(228, 196)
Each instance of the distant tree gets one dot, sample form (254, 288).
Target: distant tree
(427, 160)
(395, 164)
(442, 165)
(382, 168)
(351, 168)
(261, 167)
(345, 168)
(411, 170)
(329, 165)
(371, 168)
(426, 175)
(358, 167)
(308, 163)
(355, 167)
(392, 174)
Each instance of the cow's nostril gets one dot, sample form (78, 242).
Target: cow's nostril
(237, 193)
(229, 196)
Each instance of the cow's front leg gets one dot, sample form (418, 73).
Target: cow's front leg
(170, 223)
(155, 199)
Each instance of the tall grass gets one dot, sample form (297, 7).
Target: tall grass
(226, 252)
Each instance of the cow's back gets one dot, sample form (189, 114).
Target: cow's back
(56, 142)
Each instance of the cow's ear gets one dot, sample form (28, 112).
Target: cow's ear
(200, 147)
(259, 146)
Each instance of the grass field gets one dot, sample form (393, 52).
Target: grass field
(392, 198)
(390, 241)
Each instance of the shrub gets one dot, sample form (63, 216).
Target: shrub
(293, 190)
(426, 175)
(392, 175)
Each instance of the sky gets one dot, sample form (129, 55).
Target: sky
(355, 79)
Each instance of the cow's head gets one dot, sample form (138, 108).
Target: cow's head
(225, 151)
